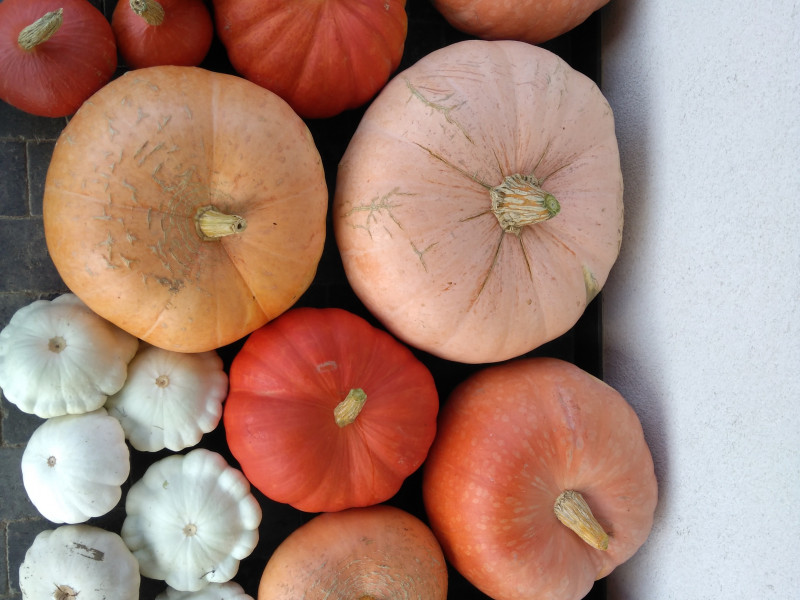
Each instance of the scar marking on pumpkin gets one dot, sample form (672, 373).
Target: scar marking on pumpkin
(421, 253)
(437, 156)
(141, 149)
(132, 190)
(592, 286)
(111, 131)
(91, 553)
(441, 108)
(327, 366)
(163, 122)
(188, 111)
(155, 149)
(140, 115)
(376, 206)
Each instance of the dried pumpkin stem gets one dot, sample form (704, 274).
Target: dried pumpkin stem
(150, 10)
(348, 409)
(64, 592)
(573, 511)
(519, 201)
(41, 30)
(212, 224)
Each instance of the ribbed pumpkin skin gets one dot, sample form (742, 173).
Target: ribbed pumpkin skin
(127, 179)
(533, 21)
(183, 38)
(321, 56)
(374, 552)
(513, 437)
(57, 76)
(412, 212)
(285, 384)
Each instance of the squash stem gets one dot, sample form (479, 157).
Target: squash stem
(519, 201)
(348, 409)
(41, 30)
(64, 592)
(212, 224)
(573, 511)
(150, 10)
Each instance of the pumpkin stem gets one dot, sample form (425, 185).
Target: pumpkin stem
(519, 201)
(41, 30)
(150, 10)
(64, 592)
(573, 511)
(212, 224)
(348, 409)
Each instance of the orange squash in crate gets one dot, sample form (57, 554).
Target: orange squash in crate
(185, 206)
(540, 480)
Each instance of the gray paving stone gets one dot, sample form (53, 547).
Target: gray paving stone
(17, 124)
(4, 584)
(24, 261)
(39, 154)
(13, 182)
(20, 537)
(16, 426)
(15, 503)
(11, 302)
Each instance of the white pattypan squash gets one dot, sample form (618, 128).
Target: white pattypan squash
(214, 591)
(59, 357)
(170, 399)
(190, 520)
(73, 466)
(79, 562)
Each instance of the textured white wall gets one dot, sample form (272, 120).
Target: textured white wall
(701, 313)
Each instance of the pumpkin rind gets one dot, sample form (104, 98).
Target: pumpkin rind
(57, 357)
(230, 590)
(374, 552)
(73, 467)
(321, 56)
(444, 142)
(55, 77)
(533, 21)
(83, 560)
(137, 170)
(190, 520)
(280, 417)
(512, 438)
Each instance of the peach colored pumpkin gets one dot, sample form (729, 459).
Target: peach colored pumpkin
(478, 206)
(534, 21)
(185, 206)
(364, 553)
(515, 440)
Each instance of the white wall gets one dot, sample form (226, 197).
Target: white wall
(702, 311)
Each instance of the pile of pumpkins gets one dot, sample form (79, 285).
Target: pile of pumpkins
(477, 211)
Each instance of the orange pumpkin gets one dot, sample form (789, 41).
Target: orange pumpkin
(185, 206)
(478, 206)
(360, 553)
(534, 21)
(540, 480)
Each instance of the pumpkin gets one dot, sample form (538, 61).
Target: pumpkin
(170, 399)
(162, 32)
(57, 357)
(79, 561)
(230, 590)
(73, 467)
(540, 480)
(190, 519)
(322, 57)
(54, 54)
(366, 553)
(185, 206)
(533, 21)
(326, 412)
(478, 206)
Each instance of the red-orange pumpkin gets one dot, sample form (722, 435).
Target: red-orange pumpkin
(321, 56)
(326, 412)
(527, 451)
(360, 554)
(54, 54)
(162, 32)
(533, 21)
(478, 206)
(185, 206)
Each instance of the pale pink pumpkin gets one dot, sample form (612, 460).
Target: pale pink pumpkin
(478, 207)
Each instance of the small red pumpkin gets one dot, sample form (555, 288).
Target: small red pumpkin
(540, 480)
(326, 412)
(321, 56)
(54, 54)
(162, 32)
(360, 553)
